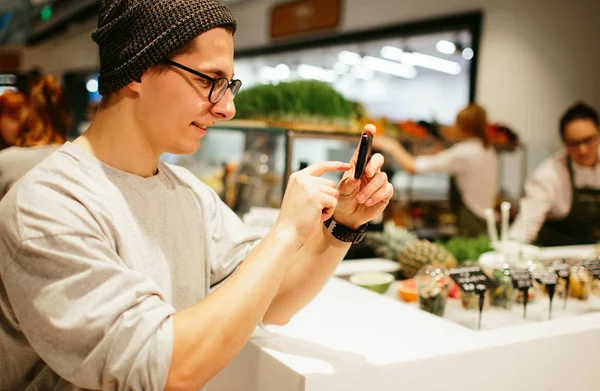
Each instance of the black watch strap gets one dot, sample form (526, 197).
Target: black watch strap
(345, 234)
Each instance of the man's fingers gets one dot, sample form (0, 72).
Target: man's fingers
(321, 168)
(329, 203)
(384, 193)
(331, 191)
(374, 184)
(374, 165)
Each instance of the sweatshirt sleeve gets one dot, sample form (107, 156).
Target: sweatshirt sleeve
(95, 322)
(231, 240)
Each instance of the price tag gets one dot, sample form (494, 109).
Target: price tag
(546, 277)
(561, 269)
(521, 278)
(471, 279)
(593, 266)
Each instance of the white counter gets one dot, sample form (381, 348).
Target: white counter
(349, 338)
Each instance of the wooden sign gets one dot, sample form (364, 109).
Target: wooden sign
(594, 267)
(561, 269)
(471, 278)
(545, 277)
(304, 16)
(521, 278)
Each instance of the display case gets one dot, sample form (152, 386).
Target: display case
(248, 164)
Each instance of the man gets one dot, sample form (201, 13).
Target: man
(107, 254)
(562, 202)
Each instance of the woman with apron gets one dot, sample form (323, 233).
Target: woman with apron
(471, 163)
(563, 195)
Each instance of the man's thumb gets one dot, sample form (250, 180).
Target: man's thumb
(349, 187)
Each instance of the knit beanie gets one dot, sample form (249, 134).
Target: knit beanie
(134, 35)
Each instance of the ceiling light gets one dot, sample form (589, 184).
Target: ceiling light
(341, 68)
(468, 53)
(390, 67)
(445, 47)
(349, 58)
(363, 73)
(92, 86)
(392, 53)
(268, 73)
(282, 71)
(421, 60)
(317, 73)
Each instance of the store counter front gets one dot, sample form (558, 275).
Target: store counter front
(350, 338)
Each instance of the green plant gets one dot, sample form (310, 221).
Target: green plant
(467, 249)
(289, 100)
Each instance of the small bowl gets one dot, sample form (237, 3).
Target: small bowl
(376, 281)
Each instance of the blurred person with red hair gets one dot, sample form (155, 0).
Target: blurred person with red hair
(35, 129)
(13, 113)
(471, 162)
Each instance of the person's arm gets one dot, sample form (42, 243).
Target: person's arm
(450, 161)
(309, 270)
(396, 151)
(98, 324)
(312, 266)
(540, 196)
(209, 334)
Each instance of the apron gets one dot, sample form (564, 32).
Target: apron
(467, 223)
(582, 224)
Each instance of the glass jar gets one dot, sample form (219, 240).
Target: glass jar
(595, 285)
(433, 283)
(530, 264)
(502, 295)
(580, 283)
(470, 300)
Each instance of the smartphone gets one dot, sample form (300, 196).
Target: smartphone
(364, 154)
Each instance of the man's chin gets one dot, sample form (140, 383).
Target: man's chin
(588, 162)
(189, 148)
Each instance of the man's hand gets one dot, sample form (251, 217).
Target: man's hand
(362, 200)
(308, 201)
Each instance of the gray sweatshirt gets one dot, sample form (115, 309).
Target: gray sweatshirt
(16, 161)
(95, 261)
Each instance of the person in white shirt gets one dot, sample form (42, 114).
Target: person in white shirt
(119, 271)
(42, 131)
(562, 197)
(471, 162)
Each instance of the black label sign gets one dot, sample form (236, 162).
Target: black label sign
(594, 267)
(521, 278)
(561, 269)
(471, 278)
(546, 277)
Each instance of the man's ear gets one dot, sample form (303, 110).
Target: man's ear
(136, 85)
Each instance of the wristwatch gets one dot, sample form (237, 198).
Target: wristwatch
(345, 234)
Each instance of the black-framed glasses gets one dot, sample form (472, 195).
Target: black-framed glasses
(588, 141)
(219, 86)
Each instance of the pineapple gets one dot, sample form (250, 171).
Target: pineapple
(390, 242)
(400, 245)
(423, 252)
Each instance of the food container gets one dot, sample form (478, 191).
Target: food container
(407, 291)
(580, 284)
(433, 283)
(502, 295)
(531, 265)
(470, 300)
(376, 281)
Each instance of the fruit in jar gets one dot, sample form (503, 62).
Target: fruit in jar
(407, 291)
